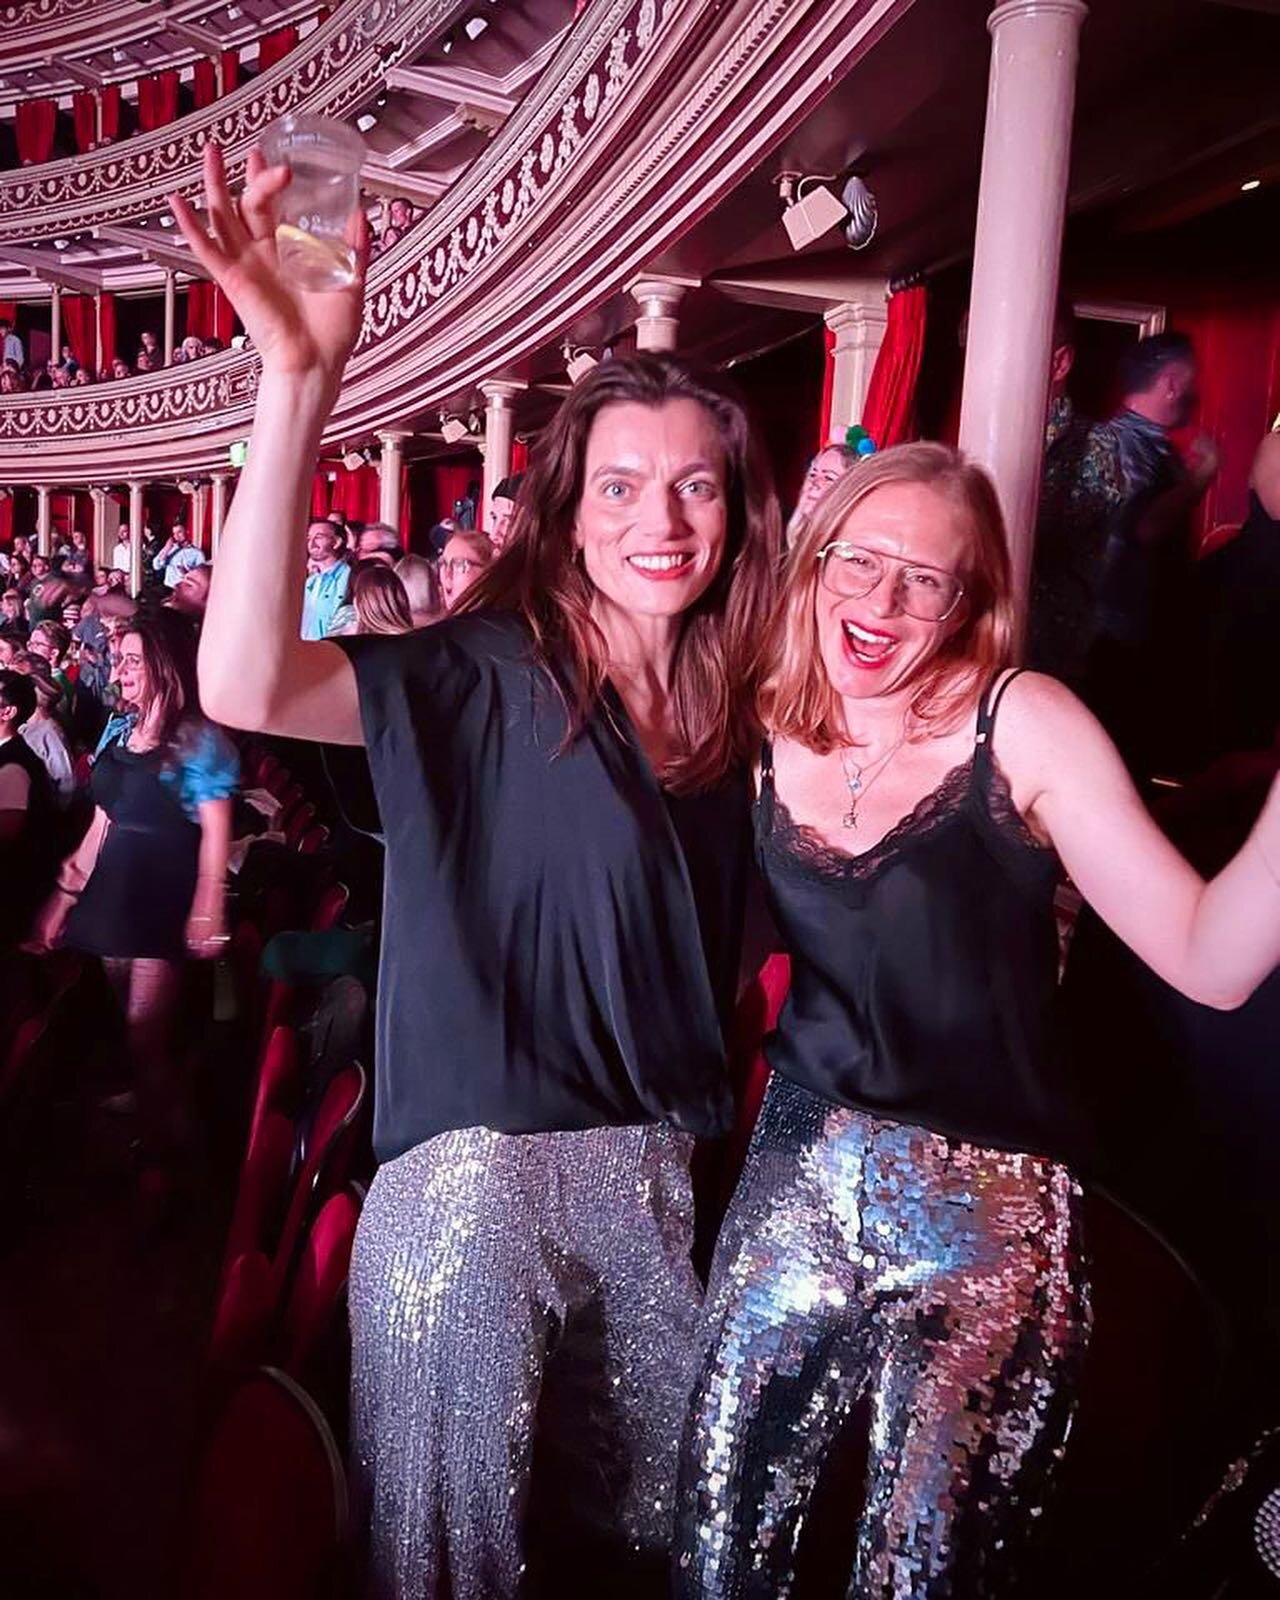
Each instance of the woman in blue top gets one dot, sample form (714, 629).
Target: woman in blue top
(146, 888)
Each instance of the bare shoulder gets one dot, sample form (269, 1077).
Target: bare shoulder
(1264, 477)
(1042, 724)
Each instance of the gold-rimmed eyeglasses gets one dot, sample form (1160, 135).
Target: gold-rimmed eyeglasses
(929, 594)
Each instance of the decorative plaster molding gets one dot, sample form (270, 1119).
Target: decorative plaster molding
(653, 111)
(334, 71)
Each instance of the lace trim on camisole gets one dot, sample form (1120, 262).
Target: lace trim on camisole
(802, 844)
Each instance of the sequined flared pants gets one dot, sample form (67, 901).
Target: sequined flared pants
(942, 1282)
(523, 1317)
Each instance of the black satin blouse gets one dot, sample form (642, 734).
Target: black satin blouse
(924, 971)
(560, 938)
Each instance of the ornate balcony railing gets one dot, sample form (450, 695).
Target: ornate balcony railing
(651, 113)
(335, 70)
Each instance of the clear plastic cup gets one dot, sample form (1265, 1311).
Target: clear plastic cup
(324, 157)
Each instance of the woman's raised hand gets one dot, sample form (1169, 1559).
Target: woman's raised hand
(294, 330)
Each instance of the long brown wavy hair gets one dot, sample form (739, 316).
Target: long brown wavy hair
(537, 575)
(796, 698)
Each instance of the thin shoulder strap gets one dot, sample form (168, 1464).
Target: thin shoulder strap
(987, 709)
(765, 801)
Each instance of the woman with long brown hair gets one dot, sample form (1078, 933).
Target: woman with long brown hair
(906, 1228)
(146, 887)
(560, 774)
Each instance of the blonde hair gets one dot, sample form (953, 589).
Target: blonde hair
(421, 586)
(796, 699)
(380, 601)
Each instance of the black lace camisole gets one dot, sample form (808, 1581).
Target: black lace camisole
(924, 971)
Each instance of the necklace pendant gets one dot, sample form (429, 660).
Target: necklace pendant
(850, 818)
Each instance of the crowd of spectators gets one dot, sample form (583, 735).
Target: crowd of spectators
(18, 376)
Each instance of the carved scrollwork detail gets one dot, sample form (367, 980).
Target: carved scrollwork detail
(336, 70)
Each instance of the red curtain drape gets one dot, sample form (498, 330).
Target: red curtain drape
(9, 310)
(209, 312)
(320, 506)
(230, 70)
(34, 123)
(108, 329)
(357, 494)
(273, 47)
(204, 83)
(110, 112)
(157, 100)
(889, 413)
(84, 113)
(519, 456)
(828, 387)
(6, 519)
(451, 479)
(78, 329)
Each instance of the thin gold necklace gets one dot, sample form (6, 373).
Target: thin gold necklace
(858, 778)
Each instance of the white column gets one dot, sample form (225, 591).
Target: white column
(200, 517)
(44, 521)
(218, 511)
(55, 324)
(390, 462)
(101, 555)
(658, 325)
(1021, 199)
(499, 430)
(135, 539)
(97, 332)
(169, 311)
(859, 326)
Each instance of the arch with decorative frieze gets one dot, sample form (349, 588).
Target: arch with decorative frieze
(651, 113)
(33, 31)
(333, 72)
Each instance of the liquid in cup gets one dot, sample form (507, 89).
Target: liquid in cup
(324, 158)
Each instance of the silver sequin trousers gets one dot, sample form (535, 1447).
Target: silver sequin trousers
(941, 1283)
(523, 1318)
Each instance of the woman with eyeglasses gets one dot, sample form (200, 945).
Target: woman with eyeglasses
(462, 560)
(906, 1229)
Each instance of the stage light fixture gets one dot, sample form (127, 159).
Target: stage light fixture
(807, 216)
(577, 362)
(1250, 184)
(454, 429)
(475, 27)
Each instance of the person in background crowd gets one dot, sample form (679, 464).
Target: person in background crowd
(825, 469)
(10, 649)
(328, 580)
(177, 555)
(211, 346)
(907, 1226)
(192, 347)
(147, 885)
(11, 347)
(80, 377)
(149, 346)
(501, 509)
(180, 357)
(422, 589)
(60, 378)
(380, 602)
(51, 641)
(45, 733)
(1135, 673)
(11, 380)
(378, 542)
(76, 557)
(26, 812)
(191, 592)
(13, 615)
(20, 575)
(119, 369)
(145, 363)
(68, 362)
(465, 557)
(120, 553)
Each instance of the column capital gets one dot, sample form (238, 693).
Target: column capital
(852, 317)
(501, 391)
(1011, 10)
(392, 438)
(658, 296)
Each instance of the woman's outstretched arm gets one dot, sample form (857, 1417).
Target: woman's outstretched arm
(255, 670)
(1215, 941)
